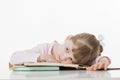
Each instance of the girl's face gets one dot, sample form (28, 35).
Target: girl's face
(64, 53)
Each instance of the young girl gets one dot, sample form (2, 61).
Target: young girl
(83, 49)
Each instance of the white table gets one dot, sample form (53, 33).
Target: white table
(63, 75)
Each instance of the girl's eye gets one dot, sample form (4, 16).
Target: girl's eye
(67, 50)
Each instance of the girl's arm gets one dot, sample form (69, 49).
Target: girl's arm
(29, 55)
(23, 56)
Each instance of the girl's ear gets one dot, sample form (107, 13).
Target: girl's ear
(69, 37)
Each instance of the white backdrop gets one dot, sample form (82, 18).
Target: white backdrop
(26, 23)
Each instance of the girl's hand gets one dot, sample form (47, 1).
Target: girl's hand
(67, 61)
(103, 63)
(46, 58)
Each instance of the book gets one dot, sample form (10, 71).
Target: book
(50, 64)
(46, 66)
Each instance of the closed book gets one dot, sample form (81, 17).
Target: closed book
(47, 66)
(61, 66)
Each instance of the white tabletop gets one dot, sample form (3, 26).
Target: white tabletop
(62, 75)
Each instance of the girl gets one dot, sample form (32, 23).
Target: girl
(83, 49)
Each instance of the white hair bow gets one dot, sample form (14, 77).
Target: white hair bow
(101, 38)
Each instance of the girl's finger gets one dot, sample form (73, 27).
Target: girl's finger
(68, 61)
(105, 66)
(95, 67)
(101, 65)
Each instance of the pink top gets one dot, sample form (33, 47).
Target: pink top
(31, 55)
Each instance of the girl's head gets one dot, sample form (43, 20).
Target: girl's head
(87, 48)
(81, 49)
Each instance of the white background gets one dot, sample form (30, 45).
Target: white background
(26, 23)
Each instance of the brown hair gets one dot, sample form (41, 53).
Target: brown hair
(88, 48)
